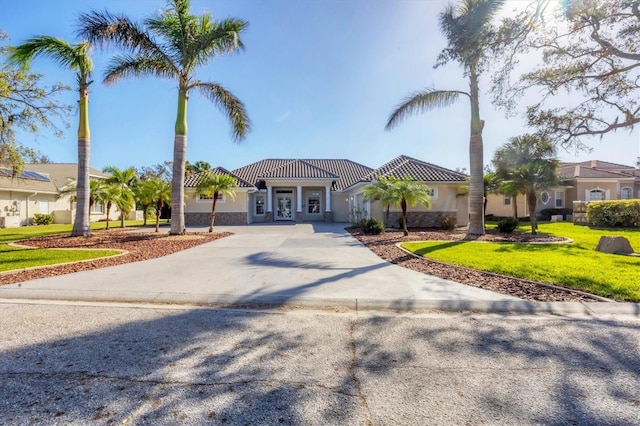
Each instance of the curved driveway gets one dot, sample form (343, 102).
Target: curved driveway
(294, 264)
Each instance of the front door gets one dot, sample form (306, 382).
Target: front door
(283, 207)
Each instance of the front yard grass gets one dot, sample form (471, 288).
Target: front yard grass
(15, 258)
(576, 265)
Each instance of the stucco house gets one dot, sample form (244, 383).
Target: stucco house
(329, 190)
(586, 181)
(36, 189)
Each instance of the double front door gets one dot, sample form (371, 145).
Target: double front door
(284, 205)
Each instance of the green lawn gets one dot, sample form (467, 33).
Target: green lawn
(576, 265)
(12, 258)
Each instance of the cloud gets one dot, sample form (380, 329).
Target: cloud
(283, 117)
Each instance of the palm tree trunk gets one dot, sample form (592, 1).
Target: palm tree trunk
(81, 226)
(159, 206)
(213, 210)
(108, 210)
(386, 217)
(532, 200)
(403, 204)
(144, 213)
(476, 192)
(179, 158)
(514, 200)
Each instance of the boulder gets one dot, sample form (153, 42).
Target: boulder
(614, 244)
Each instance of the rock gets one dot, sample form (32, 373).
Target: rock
(615, 244)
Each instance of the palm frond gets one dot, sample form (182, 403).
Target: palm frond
(216, 38)
(64, 54)
(124, 66)
(228, 104)
(419, 102)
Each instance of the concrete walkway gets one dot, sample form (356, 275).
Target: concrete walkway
(313, 265)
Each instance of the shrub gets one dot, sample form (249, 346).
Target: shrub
(618, 213)
(507, 225)
(448, 224)
(372, 226)
(42, 219)
(545, 214)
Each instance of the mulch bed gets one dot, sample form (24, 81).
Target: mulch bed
(384, 245)
(139, 246)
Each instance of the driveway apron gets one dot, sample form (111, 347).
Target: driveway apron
(314, 264)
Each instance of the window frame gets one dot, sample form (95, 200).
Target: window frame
(556, 199)
(542, 194)
(209, 199)
(311, 195)
(95, 210)
(256, 205)
(600, 191)
(506, 200)
(629, 190)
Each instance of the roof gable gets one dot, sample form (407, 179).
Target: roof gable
(417, 170)
(588, 170)
(298, 169)
(192, 181)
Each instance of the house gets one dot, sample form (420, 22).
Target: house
(329, 190)
(36, 190)
(580, 181)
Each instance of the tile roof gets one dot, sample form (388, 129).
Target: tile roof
(344, 172)
(416, 169)
(62, 173)
(585, 170)
(193, 180)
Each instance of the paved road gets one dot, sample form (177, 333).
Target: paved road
(62, 364)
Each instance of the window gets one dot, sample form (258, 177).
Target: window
(507, 200)
(259, 205)
(596, 195)
(433, 192)
(626, 193)
(203, 198)
(97, 207)
(559, 199)
(313, 202)
(544, 197)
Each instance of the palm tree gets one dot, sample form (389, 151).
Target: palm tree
(110, 195)
(527, 164)
(153, 193)
(124, 181)
(469, 36)
(215, 185)
(77, 58)
(162, 196)
(172, 45)
(381, 190)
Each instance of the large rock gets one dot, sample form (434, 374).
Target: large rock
(615, 244)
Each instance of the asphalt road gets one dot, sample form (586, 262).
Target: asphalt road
(107, 364)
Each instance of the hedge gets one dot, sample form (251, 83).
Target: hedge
(618, 213)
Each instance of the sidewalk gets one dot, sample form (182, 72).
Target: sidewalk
(308, 265)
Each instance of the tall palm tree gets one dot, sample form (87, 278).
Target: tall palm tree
(215, 185)
(172, 45)
(381, 189)
(124, 181)
(77, 58)
(528, 164)
(469, 37)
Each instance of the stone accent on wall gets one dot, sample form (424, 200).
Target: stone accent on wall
(268, 217)
(222, 219)
(421, 219)
(299, 217)
(328, 216)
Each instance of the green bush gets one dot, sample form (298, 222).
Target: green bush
(618, 213)
(507, 225)
(42, 219)
(372, 226)
(448, 224)
(545, 214)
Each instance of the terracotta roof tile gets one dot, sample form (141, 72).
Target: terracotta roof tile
(416, 169)
(191, 181)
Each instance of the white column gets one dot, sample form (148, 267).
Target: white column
(269, 201)
(299, 199)
(327, 193)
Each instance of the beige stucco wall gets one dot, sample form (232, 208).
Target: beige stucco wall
(25, 205)
(340, 206)
(227, 205)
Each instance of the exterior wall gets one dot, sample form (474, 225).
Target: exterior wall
(421, 219)
(340, 206)
(496, 206)
(22, 207)
(222, 218)
(611, 189)
(228, 205)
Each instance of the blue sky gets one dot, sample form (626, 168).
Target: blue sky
(318, 77)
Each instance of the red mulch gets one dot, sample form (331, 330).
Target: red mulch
(384, 245)
(139, 246)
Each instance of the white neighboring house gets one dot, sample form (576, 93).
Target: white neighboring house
(36, 190)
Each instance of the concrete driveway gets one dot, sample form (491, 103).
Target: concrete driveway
(295, 264)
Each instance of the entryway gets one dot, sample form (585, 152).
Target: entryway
(284, 205)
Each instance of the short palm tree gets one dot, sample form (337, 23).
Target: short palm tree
(215, 185)
(407, 192)
(162, 197)
(111, 195)
(77, 58)
(527, 164)
(172, 45)
(381, 189)
(469, 36)
(124, 181)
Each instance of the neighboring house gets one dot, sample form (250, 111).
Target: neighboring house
(580, 181)
(36, 190)
(329, 190)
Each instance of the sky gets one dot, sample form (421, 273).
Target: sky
(319, 79)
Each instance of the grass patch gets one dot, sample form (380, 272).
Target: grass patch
(16, 258)
(576, 265)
